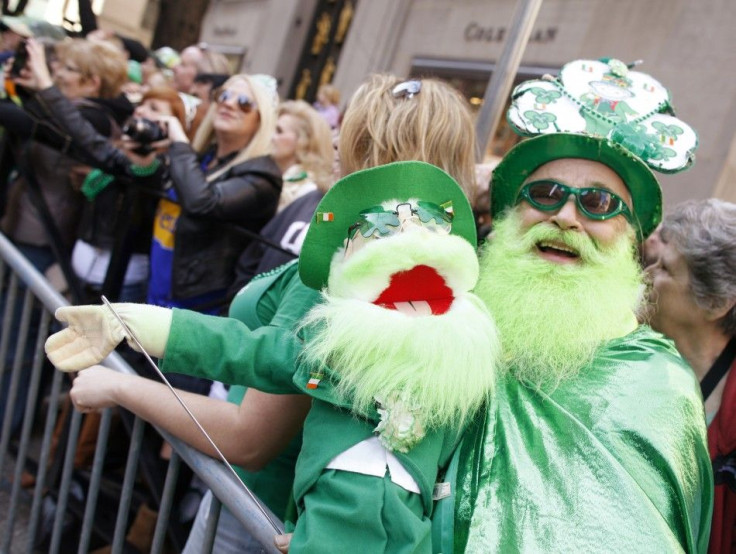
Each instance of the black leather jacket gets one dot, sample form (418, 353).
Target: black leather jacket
(207, 241)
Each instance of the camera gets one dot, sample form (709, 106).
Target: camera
(144, 132)
(20, 59)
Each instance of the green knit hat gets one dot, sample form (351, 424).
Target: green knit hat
(597, 110)
(341, 206)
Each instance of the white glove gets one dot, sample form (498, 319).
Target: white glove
(94, 332)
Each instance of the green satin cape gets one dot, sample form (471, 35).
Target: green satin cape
(615, 460)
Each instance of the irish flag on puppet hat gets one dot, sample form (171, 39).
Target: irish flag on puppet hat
(341, 207)
(598, 110)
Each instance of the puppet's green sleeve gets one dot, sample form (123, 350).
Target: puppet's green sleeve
(225, 349)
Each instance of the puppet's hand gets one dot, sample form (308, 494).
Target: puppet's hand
(94, 332)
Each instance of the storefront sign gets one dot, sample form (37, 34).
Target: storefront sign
(475, 32)
(224, 31)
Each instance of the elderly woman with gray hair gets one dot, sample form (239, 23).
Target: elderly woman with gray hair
(694, 303)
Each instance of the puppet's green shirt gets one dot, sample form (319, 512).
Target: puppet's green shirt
(267, 358)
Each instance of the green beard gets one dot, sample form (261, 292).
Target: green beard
(552, 317)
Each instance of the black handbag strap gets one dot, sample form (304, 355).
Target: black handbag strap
(718, 369)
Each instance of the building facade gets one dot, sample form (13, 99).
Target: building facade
(689, 45)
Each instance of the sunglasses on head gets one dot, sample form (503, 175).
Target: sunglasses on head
(407, 89)
(245, 104)
(378, 220)
(595, 203)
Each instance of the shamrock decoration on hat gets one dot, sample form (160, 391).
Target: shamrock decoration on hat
(597, 110)
(605, 98)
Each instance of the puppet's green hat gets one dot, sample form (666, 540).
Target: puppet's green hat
(597, 110)
(341, 206)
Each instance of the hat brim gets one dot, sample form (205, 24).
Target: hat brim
(522, 160)
(368, 188)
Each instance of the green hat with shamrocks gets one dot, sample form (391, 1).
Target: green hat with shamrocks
(598, 110)
(437, 194)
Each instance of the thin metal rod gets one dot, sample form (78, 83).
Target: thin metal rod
(499, 85)
(25, 322)
(8, 315)
(153, 364)
(41, 473)
(25, 434)
(66, 482)
(213, 518)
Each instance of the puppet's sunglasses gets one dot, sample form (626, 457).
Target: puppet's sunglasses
(244, 102)
(382, 222)
(595, 203)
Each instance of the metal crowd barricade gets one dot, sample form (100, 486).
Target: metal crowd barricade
(29, 449)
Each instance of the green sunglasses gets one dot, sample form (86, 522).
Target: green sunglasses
(596, 203)
(386, 222)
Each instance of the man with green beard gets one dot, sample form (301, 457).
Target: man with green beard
(595, 437)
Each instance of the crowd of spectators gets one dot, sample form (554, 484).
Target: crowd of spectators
(158, 177)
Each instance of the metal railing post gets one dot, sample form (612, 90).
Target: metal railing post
(499, 85)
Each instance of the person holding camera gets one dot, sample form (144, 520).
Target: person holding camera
(89, 77)
(44, 203)
(111, 254)
(224, 180)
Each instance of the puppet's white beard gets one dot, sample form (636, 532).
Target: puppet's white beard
(443, 365)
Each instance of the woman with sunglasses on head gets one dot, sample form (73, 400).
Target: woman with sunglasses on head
(387, 121)
(224, 180)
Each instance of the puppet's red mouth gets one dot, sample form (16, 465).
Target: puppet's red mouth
(420, 289)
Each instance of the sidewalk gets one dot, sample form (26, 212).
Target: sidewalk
(20, 529)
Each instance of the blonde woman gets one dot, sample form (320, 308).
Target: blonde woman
(224, 179)
(89, 76)
(302, 148)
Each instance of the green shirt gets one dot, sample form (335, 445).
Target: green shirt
(267, 359)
